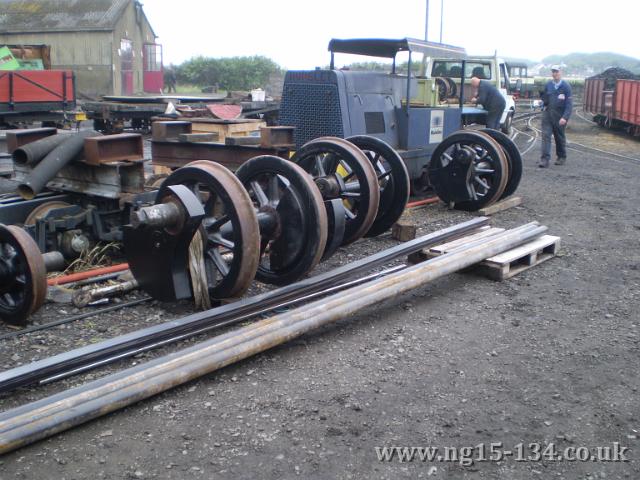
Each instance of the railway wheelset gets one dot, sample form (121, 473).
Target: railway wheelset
(273, 219)
(210, 231)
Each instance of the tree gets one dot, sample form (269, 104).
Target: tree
(230, 73)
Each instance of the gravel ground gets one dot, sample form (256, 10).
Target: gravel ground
(550, 356)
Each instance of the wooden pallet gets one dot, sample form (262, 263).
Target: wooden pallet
(512, 262)
(509, 263)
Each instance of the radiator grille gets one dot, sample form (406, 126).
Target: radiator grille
(314, 109)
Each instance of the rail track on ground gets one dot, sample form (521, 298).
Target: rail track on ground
(533, 133)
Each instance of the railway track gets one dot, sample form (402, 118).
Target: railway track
(528, 119)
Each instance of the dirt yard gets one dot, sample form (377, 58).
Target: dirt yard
(550, 356)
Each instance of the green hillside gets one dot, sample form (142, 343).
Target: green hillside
(591, 63)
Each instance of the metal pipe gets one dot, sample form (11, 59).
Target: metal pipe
(31, 153)
(426, 24)
(285, 304)
(55, 160)
(441, 17)
(41, 419)
(82, 298)
(522, 234)
(218, 317)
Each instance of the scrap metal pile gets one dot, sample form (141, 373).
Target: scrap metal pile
(46, 417)
(206, 232)
(610, 75)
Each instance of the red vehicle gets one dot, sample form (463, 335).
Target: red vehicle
(42, 95)
(614, 105)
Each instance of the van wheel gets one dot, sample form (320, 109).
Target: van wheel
(506, 126)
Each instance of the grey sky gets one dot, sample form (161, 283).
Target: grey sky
(296, 33)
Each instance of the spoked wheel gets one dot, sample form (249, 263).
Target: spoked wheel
(469, 169)
(230, 227)
(393, 180)
(291, 215)
(514, 159)
(23, 276)
(341, 170)
(42, 210)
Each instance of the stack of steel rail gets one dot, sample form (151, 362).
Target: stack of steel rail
(46, 417)
(108, 351)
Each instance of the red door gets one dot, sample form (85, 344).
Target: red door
(153, 71)
(126, 66)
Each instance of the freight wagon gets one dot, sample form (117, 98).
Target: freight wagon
(28, 96)
(614, 103)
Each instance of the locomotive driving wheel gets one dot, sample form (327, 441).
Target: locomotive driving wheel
(231, 240)
(23, 276)
(291, 215)
(342, 171)
(469, 169)
(393, 180)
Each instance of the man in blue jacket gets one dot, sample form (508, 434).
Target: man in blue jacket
(558, 104)
(487, 95)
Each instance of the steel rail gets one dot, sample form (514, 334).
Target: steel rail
(74, 318)
(117, 348)
(41, 419)
(294, 301)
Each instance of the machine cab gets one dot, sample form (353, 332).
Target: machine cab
(450, 74)
(343, 102)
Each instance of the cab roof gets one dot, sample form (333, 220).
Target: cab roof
(389, 48)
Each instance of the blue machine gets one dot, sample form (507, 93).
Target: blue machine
(343, 103)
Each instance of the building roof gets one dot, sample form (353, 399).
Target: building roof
(31, 16)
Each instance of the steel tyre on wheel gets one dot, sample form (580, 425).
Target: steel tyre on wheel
(341, 170)
(393, 179)
(23, 276)
(513, 158)
(473, 159)
(292, 218)
(230, 226)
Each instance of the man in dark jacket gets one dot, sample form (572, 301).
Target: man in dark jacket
(487, 95)
(558, 104)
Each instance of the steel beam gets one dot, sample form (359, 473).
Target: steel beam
(84, 358)
(41, 419)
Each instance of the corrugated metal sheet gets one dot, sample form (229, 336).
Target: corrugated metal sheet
(594, 96)
(627, 101)
(22, 16)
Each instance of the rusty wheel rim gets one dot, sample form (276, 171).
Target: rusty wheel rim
(41, 211)
(342, 170)
(230, 227)
(292, 217)
(23, 276)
